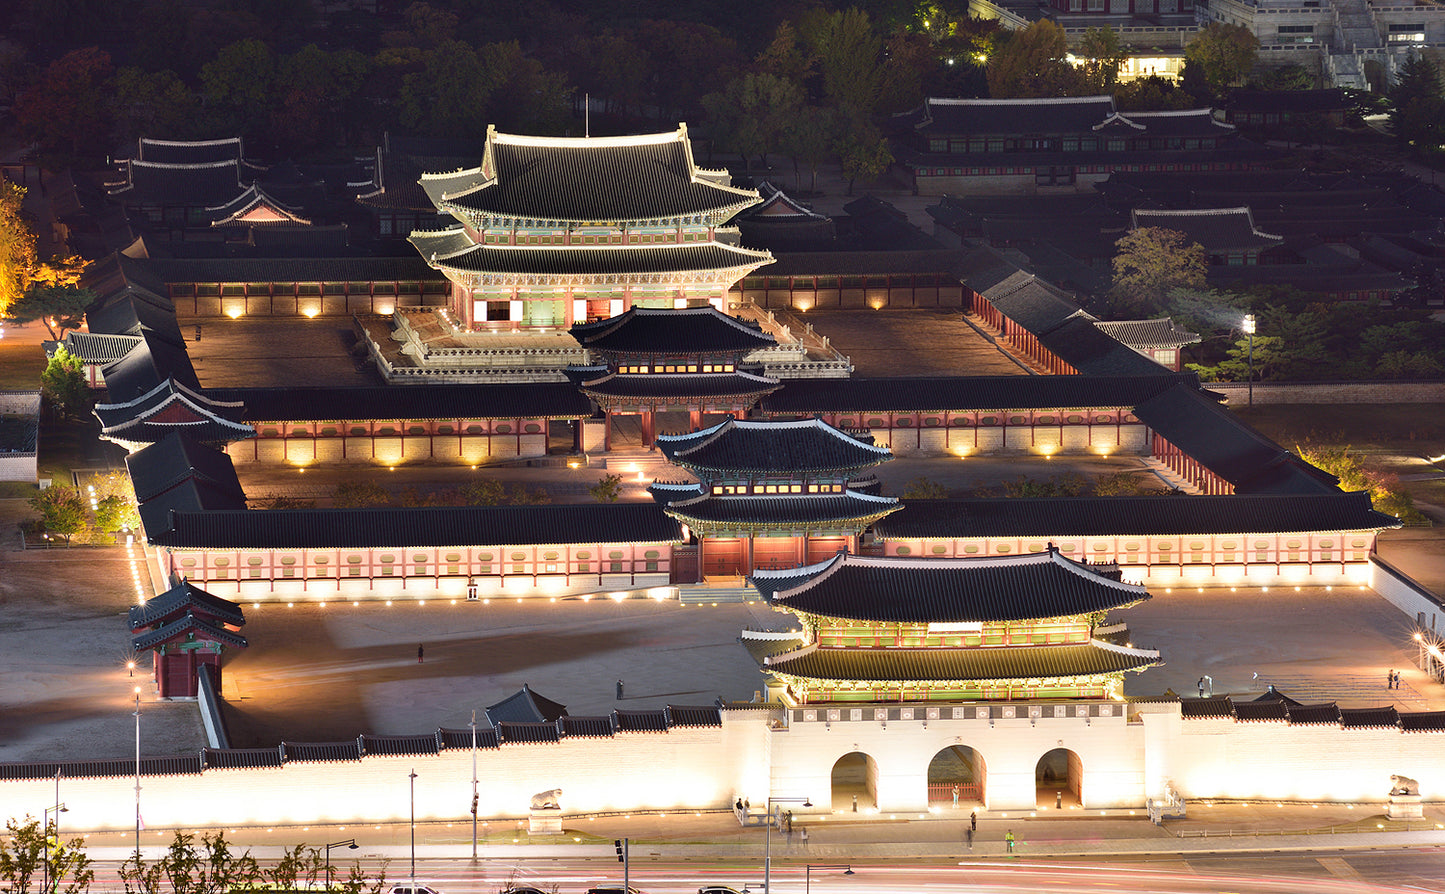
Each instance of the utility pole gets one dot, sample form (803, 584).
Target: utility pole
(474, 784)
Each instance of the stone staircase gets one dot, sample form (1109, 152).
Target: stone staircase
(1355, 31)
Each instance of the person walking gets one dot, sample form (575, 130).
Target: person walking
(1390, 679)
(955, 796)
(420, 653)
(973, 821)
(1201, 687)
(619, 690)
(1008, 840)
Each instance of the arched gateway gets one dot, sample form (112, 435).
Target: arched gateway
(957, 767)
(1058, 779)
(855, 782)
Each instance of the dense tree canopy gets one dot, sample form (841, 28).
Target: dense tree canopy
(1222, 54)
(1033, 62)
(1418, 115)
(1152, 261)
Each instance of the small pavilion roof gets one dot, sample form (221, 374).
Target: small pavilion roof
(1176, 514)
(945, 665)
(648, 330)
(771, 448)
(1080, 343)
(679, 387)
(145, 367)
(171, 407)
(254, 207)
(588, 179)
(850, 509)
(525, 706)
(1217, 229)
(585, 260)
(93, 348)
(777, 205)
(187, 626)
(925, 590)
(1160, 333)
(182, 598)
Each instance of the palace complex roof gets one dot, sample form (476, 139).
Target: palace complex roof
(189, 627)
(149, 364)
(943, 665)
(169, 407)
(938, 393)
(848, 510)
(690, 330)
(735, 448)
(588, 180)
(429, 526)
(1181, 123)
(678, 387)
(93, 347)
(188, 152)
(1160, 333)
(255, 207)
(175, 459)
(926, 590)
(627, 261)
(949, 117)
(531, 400)
(1176, 514)
(182, 598)
(1080, 343)
(1217, 229)
(525, 706)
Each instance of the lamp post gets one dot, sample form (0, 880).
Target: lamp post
(137, 776)
(58, 809)
(768, 838)
(808, 873)
(348, 843)
(1249, 330)
(473, 725)
(412, 777)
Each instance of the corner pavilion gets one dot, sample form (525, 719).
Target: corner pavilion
(922, 630)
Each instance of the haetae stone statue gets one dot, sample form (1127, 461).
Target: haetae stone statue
(547, 800)
(1403, 785)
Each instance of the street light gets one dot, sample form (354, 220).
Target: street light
(1249, 330)
(808, 873)
(58, 809)
(768, 839)
(473, 725)
(412, 777)
(137, 776)
(348, 843)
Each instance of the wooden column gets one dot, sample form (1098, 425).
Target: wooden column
(607, 430)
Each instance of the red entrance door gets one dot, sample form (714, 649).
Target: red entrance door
(775, 552)
(722, 557)
(821, 549)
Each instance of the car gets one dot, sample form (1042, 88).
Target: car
(413, 888)
(717, 889)
(525, 889)
(612, 888)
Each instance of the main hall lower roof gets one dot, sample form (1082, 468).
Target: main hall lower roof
(994, 663)
(549, 260)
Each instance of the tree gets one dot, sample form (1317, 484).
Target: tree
(156, 104)
(809, 140)
(753, 112)
(1287, 77)
(1150, 262)
(783, 57)
(63, 382)
(58, 307)
(863, 154)
(1102, 54)
(924, 488)
(62, 510)
(1033, 62)
(116, 513)
(67, 110)
(237, 86)
(521, 495)
(359, 494)
(848, 54)
(607, 489)
(24, 851)
(1151, 94)
(1223, 53)
(17, 245)
(1418, 117)
(448, 97)
(482, 492)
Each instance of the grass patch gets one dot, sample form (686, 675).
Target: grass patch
(20, 366)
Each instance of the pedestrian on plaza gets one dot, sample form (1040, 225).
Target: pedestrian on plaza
(973, 821)
(855, 803)
(1397, 679)
(1390, 679)
(1201, 687)
(619, 690)
(955, 796)
(420, 654)
(1008, 840)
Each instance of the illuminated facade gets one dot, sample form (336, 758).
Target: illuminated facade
(557, 231)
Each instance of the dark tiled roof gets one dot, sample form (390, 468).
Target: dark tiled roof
(428, 526)
(640, 721)
(190, 627)
(927, 590)
(459, 739)
(178, 457)
(525, 733)
(185, 597)
(1217, 229)
(849, 509)
(1161, 333)
(770, 448)
(1159, 516)
(146, 366)
(149, 766)
(190, 496)
(188, 152)
(1297, 101)
(194, 185)
(1422, 721)
(619, 260)
(309, 269)
(938, 393)
(586, 727)
(132, 314)
(1093, 352)
(995, 663)
(1356, 718)
(1260, 711)
(445, 401)
(647, 330)
(1225, 445)
(94, 348)
(1033, 303)
(848, 260)
(693, 715)
(525, 706)
(399, 745)
(349, 750)
(1206, 708)
(679, 386)
(605, 179)
(1185, 123)
(950, 117)
(1327, 714)
(240, 758)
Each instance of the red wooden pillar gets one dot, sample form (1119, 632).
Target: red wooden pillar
(578, 426)
(694, 418)
(607, 430)
(649, 421)
(192, 687)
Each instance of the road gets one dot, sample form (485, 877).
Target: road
(1345, 872)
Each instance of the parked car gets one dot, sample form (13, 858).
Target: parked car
(612, 888)
(413, 889)
(717, 889)
(524, 889)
